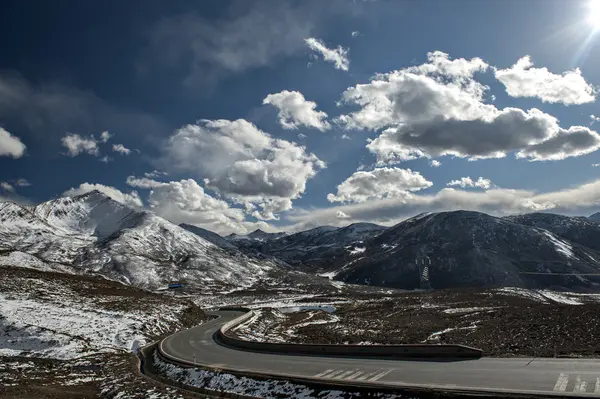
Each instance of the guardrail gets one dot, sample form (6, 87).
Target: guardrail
(389, 351)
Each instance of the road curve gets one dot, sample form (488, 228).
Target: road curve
(541, 376)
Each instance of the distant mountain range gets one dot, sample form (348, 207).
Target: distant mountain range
(92, 233)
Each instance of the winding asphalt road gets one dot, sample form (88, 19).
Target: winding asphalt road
(547, 376)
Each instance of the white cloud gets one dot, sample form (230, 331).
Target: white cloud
(22, 182)
(435, 164)
(379, 183)
(105, 159)
(345, 137)
(154, 174)
(440, 89)
(7, 186)
(130, 199)
(595, 165)
(242, 163)
(339, 55)
(579, 200)
(355, 33)
(594, 119)
(76, 144)
(437, 109)
(105, 136)
(522, 80)
(185, 201)
(465, 182)
(341, 215)
(301, 135)
(121, 149)
(10, 145)
(295, 111)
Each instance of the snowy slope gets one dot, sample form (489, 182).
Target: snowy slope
(307, 247)
(92, 232)
(208, 235)
(256, 235)
(578, 230)
(466, 249)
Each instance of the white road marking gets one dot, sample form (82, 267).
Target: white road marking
(597, 388)
(378, 376)
(578, 384)
(561, 382)
(367, 375)
(323, 373)
(334, 374)
(351, 376)
(347, 373)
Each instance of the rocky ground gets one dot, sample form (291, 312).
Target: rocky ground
(67, 336)
(504, 322)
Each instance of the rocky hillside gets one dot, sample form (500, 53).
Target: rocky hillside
(580, 230)
(313, 246)
(93, 233)
(208, 236)
(256, 235)
(466, 249)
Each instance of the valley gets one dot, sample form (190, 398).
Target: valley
(83, 285)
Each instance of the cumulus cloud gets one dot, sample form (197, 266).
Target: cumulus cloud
(105, 159)
(76, 144)
(243, 163)
(295, 111)
(435, 164)
(131, 199)
(523, 80)
(154, 174)
(339, 55)
(437, 109)
(185, 201)
(6, 186)
(345, 137)
(105, 136)
(594, 119)
(10, 145)
(465, 182)
(579, 200)
(121, 149)
(379, 183)
(355, 33)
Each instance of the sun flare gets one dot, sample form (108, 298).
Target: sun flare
(594, 14)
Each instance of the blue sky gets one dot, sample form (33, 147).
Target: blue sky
(182, 88)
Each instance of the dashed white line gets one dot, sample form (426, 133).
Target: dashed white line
(334, 374)
(347, 373)
(561, 382)
(597, 387)
(352, 376)
(367, 375)
(378, 376)
(323, 373)
(579, 385)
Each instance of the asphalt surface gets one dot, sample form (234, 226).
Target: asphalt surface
(547, 376)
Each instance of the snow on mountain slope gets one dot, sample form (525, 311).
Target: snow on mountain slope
(92, 232)
(466, 249)
(256, 235)
(208, 235)
(312, 245)
(579, 230)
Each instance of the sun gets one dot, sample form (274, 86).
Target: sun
(594, 14)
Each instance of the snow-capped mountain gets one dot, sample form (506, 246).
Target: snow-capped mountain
(465, 249)
(256, 235)
(310, 246)
(208, 236)
(93, 233)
